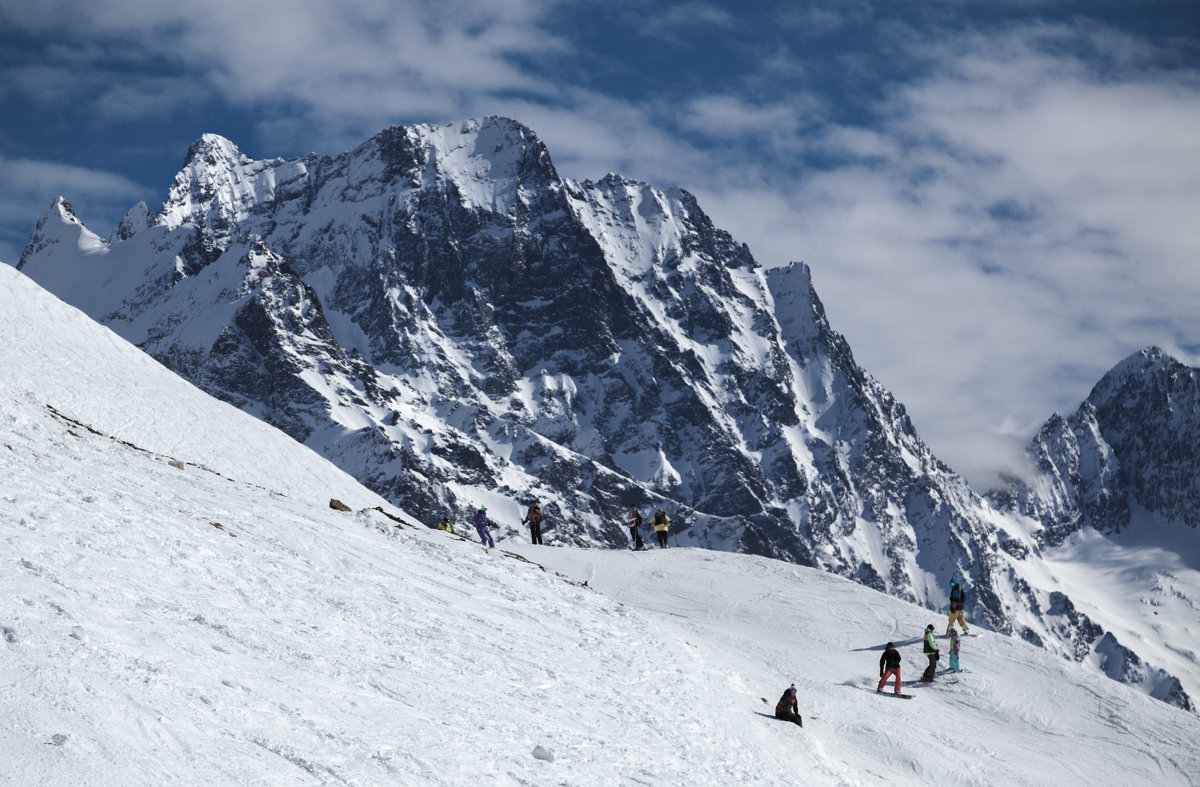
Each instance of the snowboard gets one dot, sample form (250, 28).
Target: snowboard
(890, 693)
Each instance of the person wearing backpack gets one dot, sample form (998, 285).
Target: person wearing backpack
(958, 598)
(534, 519)
(635, 521)
(661, 522)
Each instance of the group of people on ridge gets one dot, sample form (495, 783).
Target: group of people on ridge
(660, 521)
(533, 518)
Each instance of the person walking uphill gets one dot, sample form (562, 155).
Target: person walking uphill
(481, 527)
(661, 522)
(957, 598)
(534, 519)
(787, 708)
(931, 651)
(634, 521)
(889, 665)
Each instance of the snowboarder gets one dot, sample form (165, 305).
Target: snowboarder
(444, 524)
(954, 650)
(957, 597)
(661, 522)
(889, 665)
(481, 527)
(534, 519)
(931, 651)
(635, 521)
(786, 708)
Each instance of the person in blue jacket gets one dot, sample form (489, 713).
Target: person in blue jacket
(481, 527)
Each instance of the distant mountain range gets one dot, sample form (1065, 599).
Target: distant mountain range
(444, 317)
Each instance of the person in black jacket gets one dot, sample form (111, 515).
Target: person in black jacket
(889, 665)
(787, 709)
(635, 521)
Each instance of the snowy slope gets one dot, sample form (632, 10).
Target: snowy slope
(140, 643)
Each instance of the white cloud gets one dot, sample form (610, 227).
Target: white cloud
(1018, 226)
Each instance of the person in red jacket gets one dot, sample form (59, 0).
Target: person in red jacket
(534, 519)
(634, 520)
(787, 708)
(889, 665)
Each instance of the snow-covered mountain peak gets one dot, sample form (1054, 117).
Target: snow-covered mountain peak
(487, 159)
(135, 220)
(214, 150)
(59, 232)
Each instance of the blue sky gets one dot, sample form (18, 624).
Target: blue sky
(999, 200)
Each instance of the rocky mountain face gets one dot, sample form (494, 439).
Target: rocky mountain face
(446, 318)
(1135, 441)
(1125, 460)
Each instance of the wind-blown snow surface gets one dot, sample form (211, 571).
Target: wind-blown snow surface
(140, 643)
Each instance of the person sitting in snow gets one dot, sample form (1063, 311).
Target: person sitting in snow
(787, 708)
(954, 650)
(481, 527)
(957, 598)
(889, 665)
(931, 651)
(444, 524)
(634, 521)
(661, 522)
(534, 519)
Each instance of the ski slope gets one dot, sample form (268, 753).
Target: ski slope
(179, 604)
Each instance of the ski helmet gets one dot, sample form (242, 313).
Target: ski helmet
(889, 646)
(793, 688)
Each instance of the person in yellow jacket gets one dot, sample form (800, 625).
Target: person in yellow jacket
(661, 522)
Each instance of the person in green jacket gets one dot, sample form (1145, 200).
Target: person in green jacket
(931, 651)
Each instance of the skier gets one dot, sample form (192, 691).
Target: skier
(481, 527)
(534, 519)
(957, 597)
(931, 651)
(786, 708)
(954, 650)
(889, 665)
(635, 521)
(661, 522)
